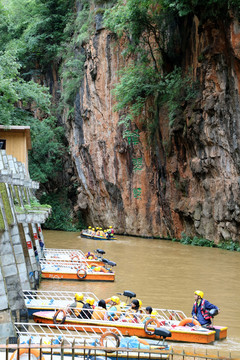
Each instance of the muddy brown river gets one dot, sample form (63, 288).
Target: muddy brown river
(163, 274)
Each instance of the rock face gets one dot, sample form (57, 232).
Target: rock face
(190, 181)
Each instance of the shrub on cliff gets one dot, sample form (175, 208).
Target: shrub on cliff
(149, 81)
(196, 241)
(203, 9)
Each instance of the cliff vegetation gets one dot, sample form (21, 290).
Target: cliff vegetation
(141, 129)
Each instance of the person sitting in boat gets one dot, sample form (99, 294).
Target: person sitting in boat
(76, 307)
(100, 269)
(100, 310)
(101, 233)
(89, 230)
(111, 230)
(147, 315)
(114, 311)
(133, 313)
(93, 233)
(201, 309)
(87, 309)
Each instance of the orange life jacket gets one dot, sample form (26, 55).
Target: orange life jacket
(99, 313)
(78, 308)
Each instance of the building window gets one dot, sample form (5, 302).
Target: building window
(2, 144)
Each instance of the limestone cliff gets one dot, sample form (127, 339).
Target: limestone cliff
(190, 181)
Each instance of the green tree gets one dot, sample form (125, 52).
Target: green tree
(36, 29)
(16, 94)
(46, 156)
(202, 8)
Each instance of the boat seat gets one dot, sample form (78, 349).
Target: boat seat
(163, 333)
(129, 294)
(100, 251)
(111, 263)
(213, 312)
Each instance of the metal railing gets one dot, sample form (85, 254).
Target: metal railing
(59, 351)
(52, 299)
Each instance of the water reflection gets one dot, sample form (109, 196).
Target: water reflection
(163, 274)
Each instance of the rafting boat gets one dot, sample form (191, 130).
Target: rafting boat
(63, 270)
(94, 236)
(180, 332)
(141, 325)
(105, 340)
(73, 255)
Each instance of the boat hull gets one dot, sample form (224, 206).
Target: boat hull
(181, 334)
(73, 276)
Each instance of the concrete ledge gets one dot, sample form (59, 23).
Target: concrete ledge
(33, 216)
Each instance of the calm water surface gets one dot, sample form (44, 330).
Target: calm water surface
(163, 274)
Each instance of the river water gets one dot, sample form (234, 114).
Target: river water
(163, 274)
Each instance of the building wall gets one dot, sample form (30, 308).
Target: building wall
(16, 145)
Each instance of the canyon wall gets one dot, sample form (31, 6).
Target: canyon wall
(189, 181)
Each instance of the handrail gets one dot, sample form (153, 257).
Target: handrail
(68, 333)
(63, 263)
(38, 297)
(171, 354)
(52, 299)
(127, 316)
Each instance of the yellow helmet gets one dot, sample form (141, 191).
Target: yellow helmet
(115, 299)
(97, 268)
(140, 303)
(97, 228)
(110, 227)
(199, 293)
(90, 301)
(93, 229)
(89, 227)
(79, 296)
(154, 313)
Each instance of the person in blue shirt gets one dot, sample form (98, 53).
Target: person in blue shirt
(201, 309)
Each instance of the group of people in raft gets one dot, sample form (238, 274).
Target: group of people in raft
(109, 309)
(113, 309)
(107, 233)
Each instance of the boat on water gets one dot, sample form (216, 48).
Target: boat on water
(180, 332)
(81, 270)
(74, 255)
(141, 325)
(94, 235)
(105, 340)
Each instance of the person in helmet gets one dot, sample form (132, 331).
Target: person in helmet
(201, 309)
(87, 309)
(77, 305)
(89, 230)
(114, 311)
(111, 230)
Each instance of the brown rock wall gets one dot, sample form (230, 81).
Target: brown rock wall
(190, 180)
